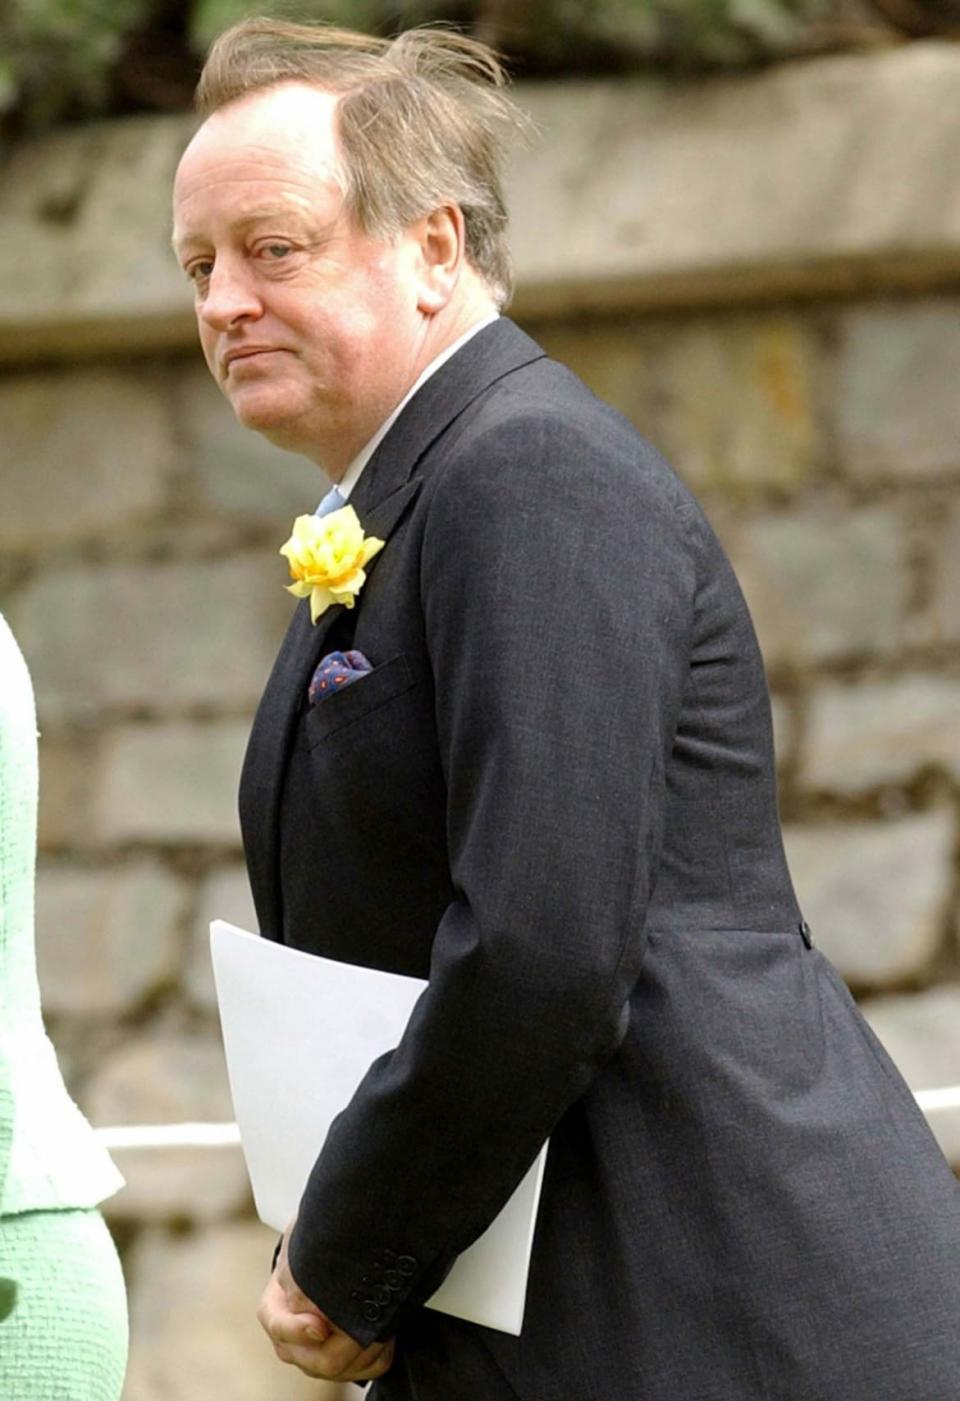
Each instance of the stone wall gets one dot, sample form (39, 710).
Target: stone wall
(139, 529)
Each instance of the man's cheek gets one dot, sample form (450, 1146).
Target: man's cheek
(208, 346)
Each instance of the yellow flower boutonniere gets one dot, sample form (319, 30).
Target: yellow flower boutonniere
(327, 555)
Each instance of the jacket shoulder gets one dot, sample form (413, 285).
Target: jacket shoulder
(539, 438)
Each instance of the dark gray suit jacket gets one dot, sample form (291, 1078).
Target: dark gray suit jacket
(554, 796)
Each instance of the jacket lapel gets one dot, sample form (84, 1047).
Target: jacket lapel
(385, 490)
(264, 765)
(380, 522)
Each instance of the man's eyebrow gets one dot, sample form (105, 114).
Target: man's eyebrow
(287, 212)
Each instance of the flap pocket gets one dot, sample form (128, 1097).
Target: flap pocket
(343, 707)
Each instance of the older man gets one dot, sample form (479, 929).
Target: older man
(526, 752)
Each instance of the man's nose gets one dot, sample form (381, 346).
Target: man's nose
(229, 297)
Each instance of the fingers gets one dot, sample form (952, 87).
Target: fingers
(306, 1339)
(324, 1364)
(369, 1366)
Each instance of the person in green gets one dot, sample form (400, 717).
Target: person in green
(63, 1312)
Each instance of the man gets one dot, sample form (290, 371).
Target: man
(544, 780)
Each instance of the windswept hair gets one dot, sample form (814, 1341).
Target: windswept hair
(423, 120)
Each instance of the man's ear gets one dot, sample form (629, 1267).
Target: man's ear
(442, 237)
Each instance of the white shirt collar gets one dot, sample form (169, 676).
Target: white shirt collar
(352, 475)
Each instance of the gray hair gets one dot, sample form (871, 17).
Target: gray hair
(423, 119)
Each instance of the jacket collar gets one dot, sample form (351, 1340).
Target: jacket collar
(497, 350)
(387, 487)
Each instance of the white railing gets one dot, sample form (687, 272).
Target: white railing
(932, 1102)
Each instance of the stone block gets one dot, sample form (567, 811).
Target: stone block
(824, 584)
(813, 176)
(225, 894)
(86, 454)
(161, 1077)
(729, 400)
(897, 403)
(865, 736)
(193, 1328)
(173, 783)
(947, 602)
(68, 769)
(803, 176)
(153, 636)
(784, 731)
(106, 938)
(921, 1032)
(236, 472)
(735, 402)
(85, 222)
(614, 356)
(876, 894)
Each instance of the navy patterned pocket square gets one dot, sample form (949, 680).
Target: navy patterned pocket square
(335, 671)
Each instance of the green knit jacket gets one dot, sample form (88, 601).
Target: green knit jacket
(49, 1156)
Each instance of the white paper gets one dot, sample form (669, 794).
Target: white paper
(300, 1033)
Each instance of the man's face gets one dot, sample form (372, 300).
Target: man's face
(311, 327)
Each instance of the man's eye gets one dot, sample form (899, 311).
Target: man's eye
(275, 251)
(200, 270)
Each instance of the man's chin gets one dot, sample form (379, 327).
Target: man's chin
(260, 412)
(277, 422)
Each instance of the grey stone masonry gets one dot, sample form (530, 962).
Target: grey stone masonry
(106, 938)
(828, 175)
(233, 472)
(823, 583)
(897, 402)
(85, 455)
(224, 894)
(171, 784)
(193, 1327)
(947, 606)
(832, 173)
(69, 765)
(116, 636)
(735, 402)
(861, 737)
(161, 1076)
(167, 1077)
(731, 400)
(876, 894)
(85, 222)
(784, 731)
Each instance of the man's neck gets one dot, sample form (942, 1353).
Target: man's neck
(470, 305)
(351, 476)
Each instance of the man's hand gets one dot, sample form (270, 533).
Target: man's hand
(303, 1335)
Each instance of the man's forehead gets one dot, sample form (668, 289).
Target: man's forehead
(290, 123)
(275, 150)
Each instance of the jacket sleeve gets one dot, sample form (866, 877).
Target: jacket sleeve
(6, 1122)
(557, 591)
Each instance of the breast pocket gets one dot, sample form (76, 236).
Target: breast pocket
(357, 700)
(373, 751)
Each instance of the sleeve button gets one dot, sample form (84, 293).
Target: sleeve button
(372, 1311)
(407, 1265)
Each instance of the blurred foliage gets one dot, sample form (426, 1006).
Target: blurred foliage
(59, 54)
(61, 59)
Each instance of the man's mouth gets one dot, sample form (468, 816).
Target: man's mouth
(247, 352)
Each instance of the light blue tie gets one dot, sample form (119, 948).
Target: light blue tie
(331, 502)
